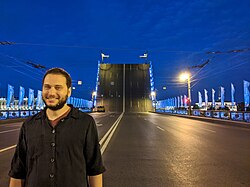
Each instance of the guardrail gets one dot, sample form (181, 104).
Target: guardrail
(219, 114)
(12, 114)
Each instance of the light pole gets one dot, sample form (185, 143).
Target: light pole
(186, 76)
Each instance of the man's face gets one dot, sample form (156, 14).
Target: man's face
(55, 91)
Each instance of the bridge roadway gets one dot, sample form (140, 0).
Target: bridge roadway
(150, 149)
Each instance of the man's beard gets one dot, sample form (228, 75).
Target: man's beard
(59, 105)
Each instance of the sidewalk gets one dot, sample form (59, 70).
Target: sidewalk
(212, 120)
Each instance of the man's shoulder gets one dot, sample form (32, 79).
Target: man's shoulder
(32, 119)
(81, 115)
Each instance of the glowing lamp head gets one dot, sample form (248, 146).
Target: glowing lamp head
(93, 94)
(184, 76)
(153, 93)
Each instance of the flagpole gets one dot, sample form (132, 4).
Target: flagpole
(186, 76)
(189, 96)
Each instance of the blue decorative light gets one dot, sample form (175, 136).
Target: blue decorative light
(151, 79)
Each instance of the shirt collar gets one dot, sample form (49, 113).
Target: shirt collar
(74, 113)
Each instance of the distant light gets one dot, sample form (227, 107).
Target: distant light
(73, 88)
(153, 94)
(164, 87)
(79, 82)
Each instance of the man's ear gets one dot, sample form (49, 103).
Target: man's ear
(69, 92)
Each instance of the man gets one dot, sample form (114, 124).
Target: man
(59, 146)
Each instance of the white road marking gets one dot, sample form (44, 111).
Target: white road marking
(11, 125)
(9, 130)
(106, 138)
(160, 128)
(7, 148)
(209, 130)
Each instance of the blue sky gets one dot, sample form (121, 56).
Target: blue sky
(176, 34)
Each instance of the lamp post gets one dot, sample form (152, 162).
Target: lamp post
(183, 77)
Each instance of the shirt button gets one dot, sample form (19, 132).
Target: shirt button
(51, 175)
(53, 144)
(52, 160)
(53, 131)
(62, 120)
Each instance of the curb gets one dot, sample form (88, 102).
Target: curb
(211, 120)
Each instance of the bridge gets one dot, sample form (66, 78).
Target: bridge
(144, 147)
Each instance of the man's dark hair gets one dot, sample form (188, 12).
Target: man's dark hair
(59, 71)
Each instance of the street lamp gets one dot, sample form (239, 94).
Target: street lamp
(79, 82)
(183, 77)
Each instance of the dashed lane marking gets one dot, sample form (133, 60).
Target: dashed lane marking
(160, 128)
(208, 130)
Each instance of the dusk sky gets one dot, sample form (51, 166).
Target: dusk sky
(176, 34)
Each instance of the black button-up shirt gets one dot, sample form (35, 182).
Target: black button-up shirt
(58, 157)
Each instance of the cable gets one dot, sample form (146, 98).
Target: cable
(215, 70)
(16, 62)
(220, 72)
(102, 48)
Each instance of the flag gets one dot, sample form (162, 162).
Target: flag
(200, 99)
(73, 101)
(181, 101)
(232, 93)
(104, 56)
(222, 96)
(39, 99)
(178, 101)
(145, 55)
(185, 101)
(21, 96)
(68, 100)
(10, 96)
(81, 103)
(77, 102)
(213, 101)
(206, 97)
(246, 93)
(31, 98)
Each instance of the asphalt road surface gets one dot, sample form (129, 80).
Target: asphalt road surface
(157, 150)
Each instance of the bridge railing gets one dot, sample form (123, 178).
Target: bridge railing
(12, 114)
(219, 114)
